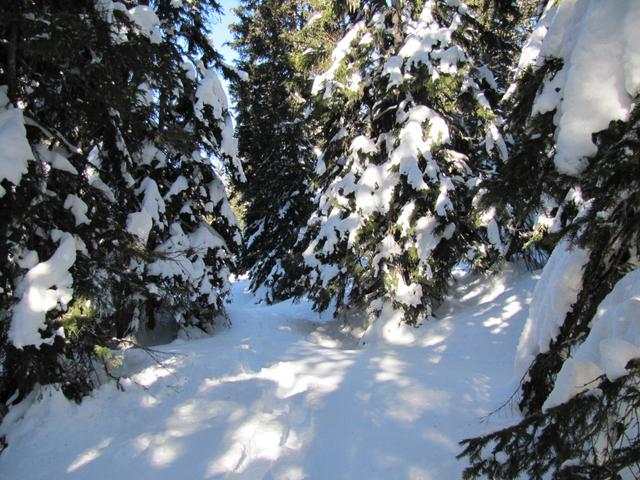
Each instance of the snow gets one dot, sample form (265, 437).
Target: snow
(15, 151)
(333, 229)
(179, 185)
(28, 259)
(410, 295)
(355, 81)
(45, 287)
(211, 92)
(321, 167)
(553, 298)
(388, 329)
(393, 68)
(613, 341)
(374, 190)
(594, 87)
(147, 22)
(404, 220)
(174, 263)
(229, 142)
(494, 139)
(55, 158)
(531, 51)
(408, 152)
(285, 394)
(93, 176)
(340, 135)
(189, 70)
(412, 144)
(205, 237)
(488, 218)
(150, 153)
(140, 223)
(340, 52)
(493, 233)
(363, 145)
(78, 208)
(387, 249)
(420, 44)
(259, 231)
(218, 195)
(426, 238)
(366, 39)
(327, 273)
(449, 59)
(143, 17)
(152, 202)
(244, 76)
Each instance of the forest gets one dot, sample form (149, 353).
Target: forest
(389, 239)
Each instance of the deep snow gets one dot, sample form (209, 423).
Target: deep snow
(282, 394)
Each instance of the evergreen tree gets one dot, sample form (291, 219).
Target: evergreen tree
(118, 217)
(405, 134)
(273, 140)
(534, 201)
(592, 432)
(579, 393)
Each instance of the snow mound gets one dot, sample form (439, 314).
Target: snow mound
(389, 328)
(594, 87)
(553, 298)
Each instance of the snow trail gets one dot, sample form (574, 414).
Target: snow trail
(280, 395)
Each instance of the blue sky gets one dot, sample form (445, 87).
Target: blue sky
(221, 30)
(221, 35)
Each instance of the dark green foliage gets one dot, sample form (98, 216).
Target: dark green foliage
(521, 185)
(604, 219)
(273, 140)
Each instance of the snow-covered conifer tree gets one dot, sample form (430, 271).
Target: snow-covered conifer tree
(406, 130)
(113, 214)
(273, 140)
(578, 351)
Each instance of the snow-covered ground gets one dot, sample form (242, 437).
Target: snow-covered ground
(282, 395)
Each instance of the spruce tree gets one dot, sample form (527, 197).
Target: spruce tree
(534, 201)
(273, 140)
(406, 131)
(122, 112)
(592, 433)
(579, 395)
